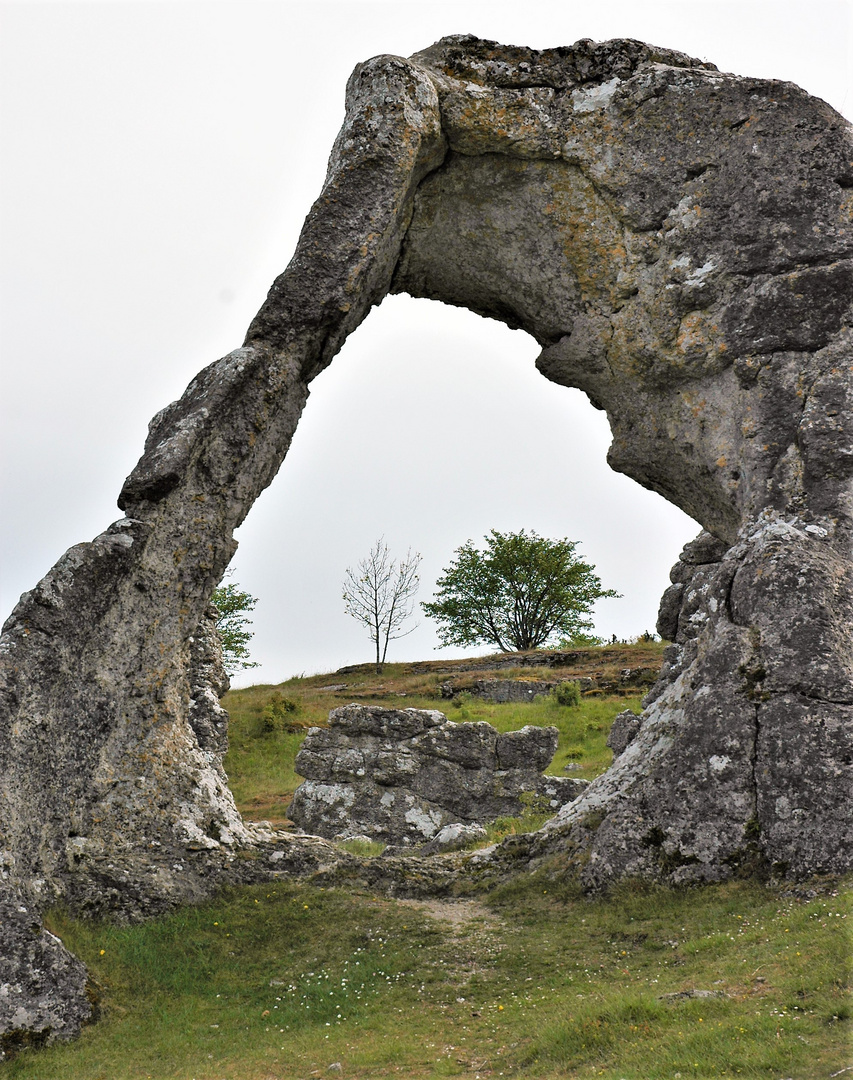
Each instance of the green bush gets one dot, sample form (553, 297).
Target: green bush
(462, 701)
(567, 694)
(278, 715)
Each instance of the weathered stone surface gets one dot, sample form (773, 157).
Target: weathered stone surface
(498, 690)
(530, 748)
(453, 838)
(710, 783)
(625, 726)
(627, 681)
(679, 241)
(401, 776)
(43, 988)
(209, 681)
(557, 791)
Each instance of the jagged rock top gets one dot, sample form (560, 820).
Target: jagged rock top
(376, 731)
(488, 63)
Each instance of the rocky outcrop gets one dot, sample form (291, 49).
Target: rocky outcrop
(623, 729)
(627, 681)
(679, 242)
(401, 776)
(742, 756)
(500, 691)
(44, 993)
(453, 837)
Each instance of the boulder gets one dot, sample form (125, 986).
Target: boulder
(44, 990)
(453, 838)
(625, 727)
(401, 776)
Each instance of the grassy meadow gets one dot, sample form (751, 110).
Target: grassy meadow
(289, 981)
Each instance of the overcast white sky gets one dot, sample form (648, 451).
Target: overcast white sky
(157, 162)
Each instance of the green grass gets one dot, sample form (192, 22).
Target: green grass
(278, 982)
(365, 849)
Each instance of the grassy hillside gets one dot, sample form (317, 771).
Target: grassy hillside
(289, 981)
(279, 983)
(264, 738)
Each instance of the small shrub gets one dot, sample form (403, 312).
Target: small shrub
(567, 694)
(278, 715)
(461, 702)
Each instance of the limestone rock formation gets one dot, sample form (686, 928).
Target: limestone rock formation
(625, 726)
(679, 242)
(402, 775)
(497, 690)
(628, 681)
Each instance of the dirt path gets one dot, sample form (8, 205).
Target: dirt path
(459, 914)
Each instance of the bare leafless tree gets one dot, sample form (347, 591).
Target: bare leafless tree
(380, 593)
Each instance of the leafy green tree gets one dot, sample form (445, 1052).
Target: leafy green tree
(519, 592)
(380, 593)
(233, 605)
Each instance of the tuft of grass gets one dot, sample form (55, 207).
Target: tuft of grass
(366, 849)
(536, 812)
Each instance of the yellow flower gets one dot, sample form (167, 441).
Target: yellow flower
(103, 951)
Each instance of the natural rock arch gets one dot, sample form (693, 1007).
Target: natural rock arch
(679, 242)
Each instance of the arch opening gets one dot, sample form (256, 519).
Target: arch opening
(613, 201)
(447, 431)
